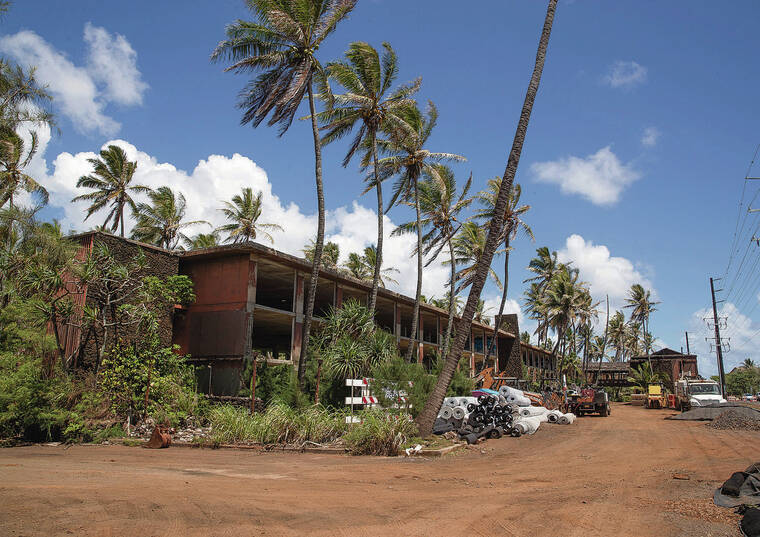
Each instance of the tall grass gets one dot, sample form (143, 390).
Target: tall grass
(279, 424)
(379, 433)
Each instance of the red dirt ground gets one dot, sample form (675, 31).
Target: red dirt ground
(599, 476)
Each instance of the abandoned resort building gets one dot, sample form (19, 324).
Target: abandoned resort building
(250, 301)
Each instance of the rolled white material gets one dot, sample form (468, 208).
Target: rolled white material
(521, 401)
(553, 416)
(529, 411)
(566, 419)
(543, 418)
(446, 412)
(527, 425)
(451, 401)
(458, 413)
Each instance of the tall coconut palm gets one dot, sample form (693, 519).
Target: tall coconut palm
(468, 245)
(440, 207)
(15, 155)
(534, 300)
(749, 363)
(244, 212)
(367, 79)
(281, 45)
(513, 224)
(409, 159)
(162, 220)
(641, 304)
(563, 301)
(111, 182)
(427, 416)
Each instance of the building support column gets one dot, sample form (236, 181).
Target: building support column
(338, 296)
(250, 305)
(397, 322)
(296, 331)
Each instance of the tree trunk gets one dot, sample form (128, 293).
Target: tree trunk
(503, 302)
(121, 211)
(319, 377)
(433, 404)
(414, 336)
(318, 245)
(604, 344)
(380, 214)
(452, 296)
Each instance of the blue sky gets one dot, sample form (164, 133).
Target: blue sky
(633, 165)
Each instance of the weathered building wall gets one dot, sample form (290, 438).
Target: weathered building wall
(158, 262)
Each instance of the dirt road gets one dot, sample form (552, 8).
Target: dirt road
(599, 476)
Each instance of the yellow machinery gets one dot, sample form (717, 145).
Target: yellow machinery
(655, 396)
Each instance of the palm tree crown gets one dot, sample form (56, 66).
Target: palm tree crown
(244, 212)
(111, 184)
(161, 222)
(14, 157)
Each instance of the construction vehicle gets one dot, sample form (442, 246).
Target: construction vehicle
(655, 396)
(588, 401)
(697, 392)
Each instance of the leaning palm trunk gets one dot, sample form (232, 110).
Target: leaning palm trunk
(452, 296)
(501, 306)
(433, 404)
(309, 310)
(380, 214)
(414, 336)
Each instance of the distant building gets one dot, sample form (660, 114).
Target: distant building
(670, 363)
(609, 374)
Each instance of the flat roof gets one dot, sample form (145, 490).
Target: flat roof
(297, 263)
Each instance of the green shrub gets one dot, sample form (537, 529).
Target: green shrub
(379, 433)
(124, 377)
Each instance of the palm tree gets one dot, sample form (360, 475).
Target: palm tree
(426, 418)
(363, 267)
(367, 80)
(330, 254)
(642, 306)
(281, 44)
(468, 245)
(161, 222)
(749, 363)
(643, 376)
(481, 314)
(410, 160)
(440, 207)
(202, 240)
(14, 157)
(513, 224)
(244, 212)
(111, 183)
(534, 300)
(563, 300)
(616, 331)
(545, 265)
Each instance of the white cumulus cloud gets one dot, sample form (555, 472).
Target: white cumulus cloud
(650, 137)
(112, 61)
(600, 177)
(605, 274)
(625, 74)
(82, 93)
(740, 335)
(217, 178)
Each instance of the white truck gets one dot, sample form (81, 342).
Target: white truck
(697, 392)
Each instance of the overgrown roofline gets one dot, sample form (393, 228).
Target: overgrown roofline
(286, 259)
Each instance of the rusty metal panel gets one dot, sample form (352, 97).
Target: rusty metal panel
(219, 281)
(216, 333)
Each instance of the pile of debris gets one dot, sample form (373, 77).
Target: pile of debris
(742, 491)
(494, 414)
(735, 421)
(188, 434)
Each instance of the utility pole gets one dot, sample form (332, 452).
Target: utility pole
(687, 344)
(718, 347)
